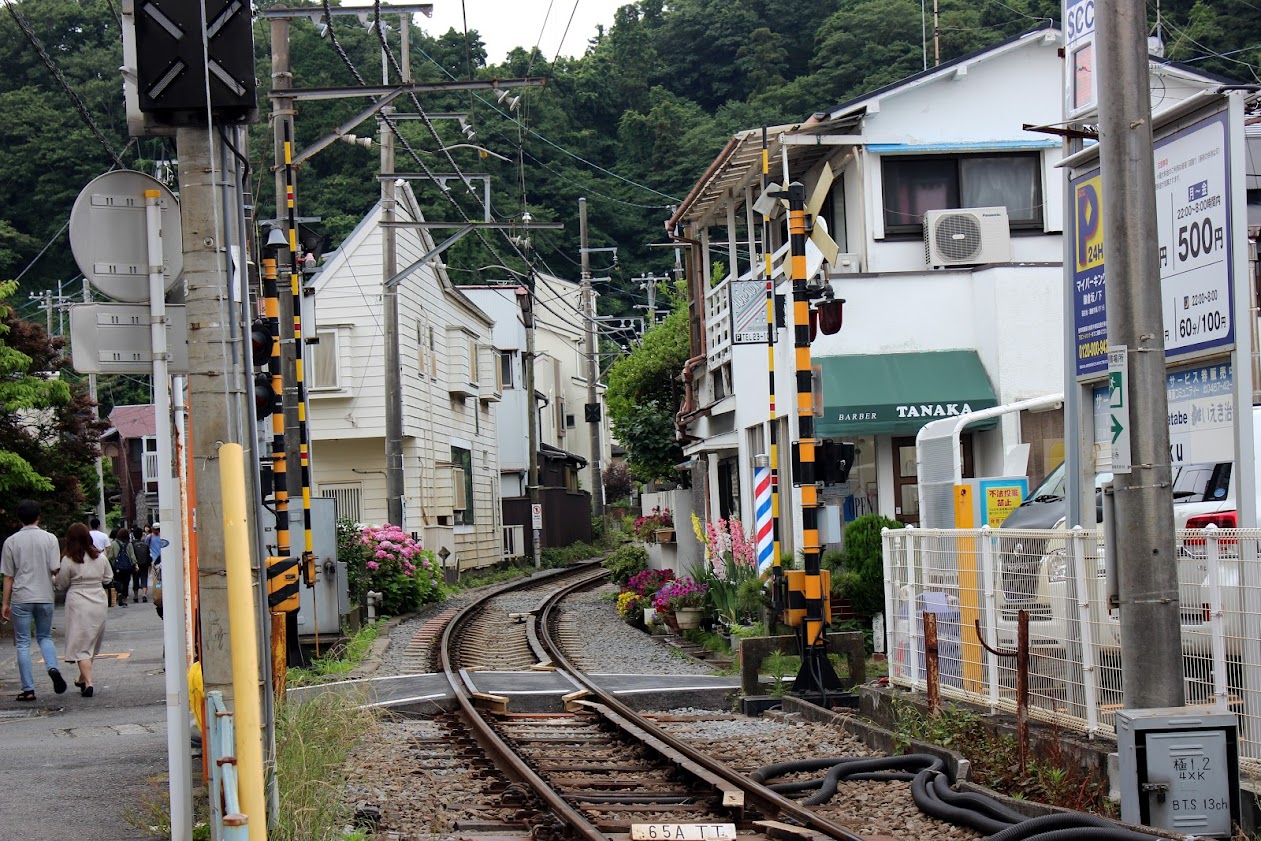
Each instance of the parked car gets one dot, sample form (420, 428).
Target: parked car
(1034, 568)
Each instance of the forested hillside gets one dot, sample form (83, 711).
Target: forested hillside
(630, 125)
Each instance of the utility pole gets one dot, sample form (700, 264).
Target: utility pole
(394, 478)
(648, 283)
(532, 423)
(1151, 639)
(936, 36)
(96, 413)
(593, 412)
(215, 391)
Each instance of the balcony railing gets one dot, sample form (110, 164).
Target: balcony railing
(718, 325)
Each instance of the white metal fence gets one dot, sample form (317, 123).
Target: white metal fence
(979, 579)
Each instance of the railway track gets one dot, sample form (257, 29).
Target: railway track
(597, 769)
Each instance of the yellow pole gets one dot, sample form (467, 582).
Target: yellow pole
(244, 637)
(969, 590)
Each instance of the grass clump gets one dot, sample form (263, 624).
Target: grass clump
(338, 662)
(1047, 775)
(313, 740)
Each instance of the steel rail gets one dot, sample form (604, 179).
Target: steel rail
(489, 740)
(769, 802)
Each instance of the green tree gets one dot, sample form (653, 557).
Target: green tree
(49, 438)
(643, 396)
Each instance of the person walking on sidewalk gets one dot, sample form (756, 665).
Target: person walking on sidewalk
(140, 577)
(83, 571)
(123, 569)
(29, 561)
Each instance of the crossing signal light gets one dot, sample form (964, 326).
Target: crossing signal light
(262, 343)
(264, 396)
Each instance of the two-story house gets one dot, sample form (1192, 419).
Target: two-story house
(450, 390)
(560, 392)
(131, 444)
(945, 313)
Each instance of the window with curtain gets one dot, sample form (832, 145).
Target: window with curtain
(320, 363)
(463, 459)
(915, 185)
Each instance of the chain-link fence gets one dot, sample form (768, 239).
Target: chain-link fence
(977, 581)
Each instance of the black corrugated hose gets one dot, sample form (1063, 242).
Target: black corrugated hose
(931, 790)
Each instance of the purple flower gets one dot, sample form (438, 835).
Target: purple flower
(373, 565)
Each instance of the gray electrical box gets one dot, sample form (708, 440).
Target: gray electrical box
(1179, 769)
(320, 608)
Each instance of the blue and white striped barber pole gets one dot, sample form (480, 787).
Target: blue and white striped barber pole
(762, 505)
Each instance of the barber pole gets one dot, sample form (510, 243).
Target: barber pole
(762, 505)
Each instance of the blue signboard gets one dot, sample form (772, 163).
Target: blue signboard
(1201, 413)
(1193, 223)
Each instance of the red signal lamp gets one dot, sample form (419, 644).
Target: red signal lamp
(830, 314)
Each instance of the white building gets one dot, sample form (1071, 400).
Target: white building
(450, 390)
(560, 385)
(925, 335)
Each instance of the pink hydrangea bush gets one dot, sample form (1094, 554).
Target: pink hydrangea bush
(400, 568)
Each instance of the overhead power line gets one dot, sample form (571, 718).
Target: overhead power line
(61, 80)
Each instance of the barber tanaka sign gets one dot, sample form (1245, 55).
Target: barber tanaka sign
(934, 410)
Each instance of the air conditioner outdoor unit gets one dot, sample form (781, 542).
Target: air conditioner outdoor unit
(967, 236)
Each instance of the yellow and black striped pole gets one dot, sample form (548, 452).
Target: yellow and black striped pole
(777, 569)
(309, 571)
(816, 673)
(282, 570)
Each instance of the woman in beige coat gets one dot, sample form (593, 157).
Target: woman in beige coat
(84, 570)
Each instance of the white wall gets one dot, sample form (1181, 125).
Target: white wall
(348, 291)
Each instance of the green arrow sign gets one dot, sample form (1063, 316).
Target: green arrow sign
(1117, 429)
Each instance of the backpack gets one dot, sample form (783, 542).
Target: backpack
(122, 559)
(143, 556)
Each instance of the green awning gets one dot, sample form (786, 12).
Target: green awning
(897, 393)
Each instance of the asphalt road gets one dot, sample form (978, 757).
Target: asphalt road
(73, 768)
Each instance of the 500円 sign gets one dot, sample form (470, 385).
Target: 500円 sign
(1195, 232)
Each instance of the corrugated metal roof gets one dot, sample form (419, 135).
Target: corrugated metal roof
(134, 421)
(740, 163)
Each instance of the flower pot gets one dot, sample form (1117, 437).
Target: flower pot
(688, 617)
(664, 535)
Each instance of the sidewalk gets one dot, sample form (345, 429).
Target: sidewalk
(71, 766)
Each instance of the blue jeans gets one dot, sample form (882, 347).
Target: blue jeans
(43, 616)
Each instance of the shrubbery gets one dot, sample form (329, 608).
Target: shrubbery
(389, 561)
(625, 562)
(861, 578)
(559, 556)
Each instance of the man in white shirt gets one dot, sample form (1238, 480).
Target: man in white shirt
(29, 560)
(99, 538)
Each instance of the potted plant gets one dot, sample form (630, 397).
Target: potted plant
(657, 525)
(630, 606)
(685, 598)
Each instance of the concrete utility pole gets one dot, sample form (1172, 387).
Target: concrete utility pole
(1151, 639)
(394, 478)
(593, 364)
(532, 421)
(96, 412)
(215, 389)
